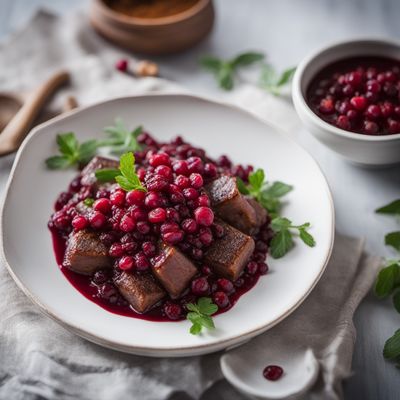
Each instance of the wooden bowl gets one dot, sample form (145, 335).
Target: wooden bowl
(155, 36)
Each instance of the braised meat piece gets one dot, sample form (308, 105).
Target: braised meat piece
(229, 255)
(141, 291)
(230, 205)
(174, 271)
(85, 253)
(261, 212)
(88, 176)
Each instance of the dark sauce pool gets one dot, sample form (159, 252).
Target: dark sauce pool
(359, 94)
(85, 286)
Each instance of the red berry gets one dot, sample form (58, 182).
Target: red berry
(125, 263)
(189, 225)
(153, 200)
(79, 222)
(103, 205)
(343, 122)
(143, 227)
(135, 197)
(172, 311)
(221, 299)
(117, 198)
(196, 180)
(326, 106)
(141, 261)
(358, 102)
(262, 268)
(210, 170)
(169, 227)
(204, 216)
(157, 215)
(116, 250)
(190, 193)
(159, 159)
(182, 181)
(173, 237)
(370, 127)
(181, 167)
(121, 65)
(205, 236)
(165, 172)
(373, 111)
(200, 286)
(393, 126)
(149, 249)
(252, 267)
(127, 224)
(225, 285)
(97, 220)
(203, 200)
(272, 372)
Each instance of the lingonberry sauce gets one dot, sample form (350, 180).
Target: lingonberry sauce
(272, 372)
(175, 209)
(359, 94)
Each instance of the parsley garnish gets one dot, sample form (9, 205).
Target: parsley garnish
(200, 315)
(267, 194)
(120, 139)
(72, 152)
(272, 81)
(224, 70)
(125, 176)
(282, 242)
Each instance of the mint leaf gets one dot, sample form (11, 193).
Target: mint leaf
(72, 153)
(306, 237)
(392, 346)
(211, 63)
(200, 315)
(392, 208)
(88, 202)
(120, 139)
(393, 239)
(246, 59)
(241, 186)
(256, 180)
(387, 280)
(58, 162)
(271, 81)
(277, 189)
(68, 144)
(396, 301)
(128, 180)
(281, 243)
(224, 70)
(107, 174)
(206, 306)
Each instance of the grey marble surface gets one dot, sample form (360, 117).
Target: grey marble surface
(286, 30)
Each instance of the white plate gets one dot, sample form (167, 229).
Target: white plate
(32, 190)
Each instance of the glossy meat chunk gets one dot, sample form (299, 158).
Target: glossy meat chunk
(230, 205)
(141, 291)
(88, 173)
(174, 271)
(229, 255)
(85, 253)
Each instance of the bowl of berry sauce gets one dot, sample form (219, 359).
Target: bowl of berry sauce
(348, 96)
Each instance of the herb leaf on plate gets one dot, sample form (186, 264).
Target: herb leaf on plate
(393, 239)
(272, 81)
(120, 139)
(267, 194)
(282, 241)
(388, 279)
(125, 176)
(392, 347)
(71, 151)
(224, 70)
(200, 315)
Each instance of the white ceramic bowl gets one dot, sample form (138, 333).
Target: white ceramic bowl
(361, 149)
(27, 248)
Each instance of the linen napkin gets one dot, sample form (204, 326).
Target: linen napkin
(41, 360)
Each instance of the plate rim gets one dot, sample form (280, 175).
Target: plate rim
(146, 350)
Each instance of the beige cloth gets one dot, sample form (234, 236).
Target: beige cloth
(39, 359)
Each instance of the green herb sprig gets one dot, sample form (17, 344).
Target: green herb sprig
(388, 281)
(200, 315)
(224, 70)
(120, 139)
(267, 194)
(71, 151)
(125, 176)
(272, 81)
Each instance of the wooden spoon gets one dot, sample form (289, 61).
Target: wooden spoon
(16, 117)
